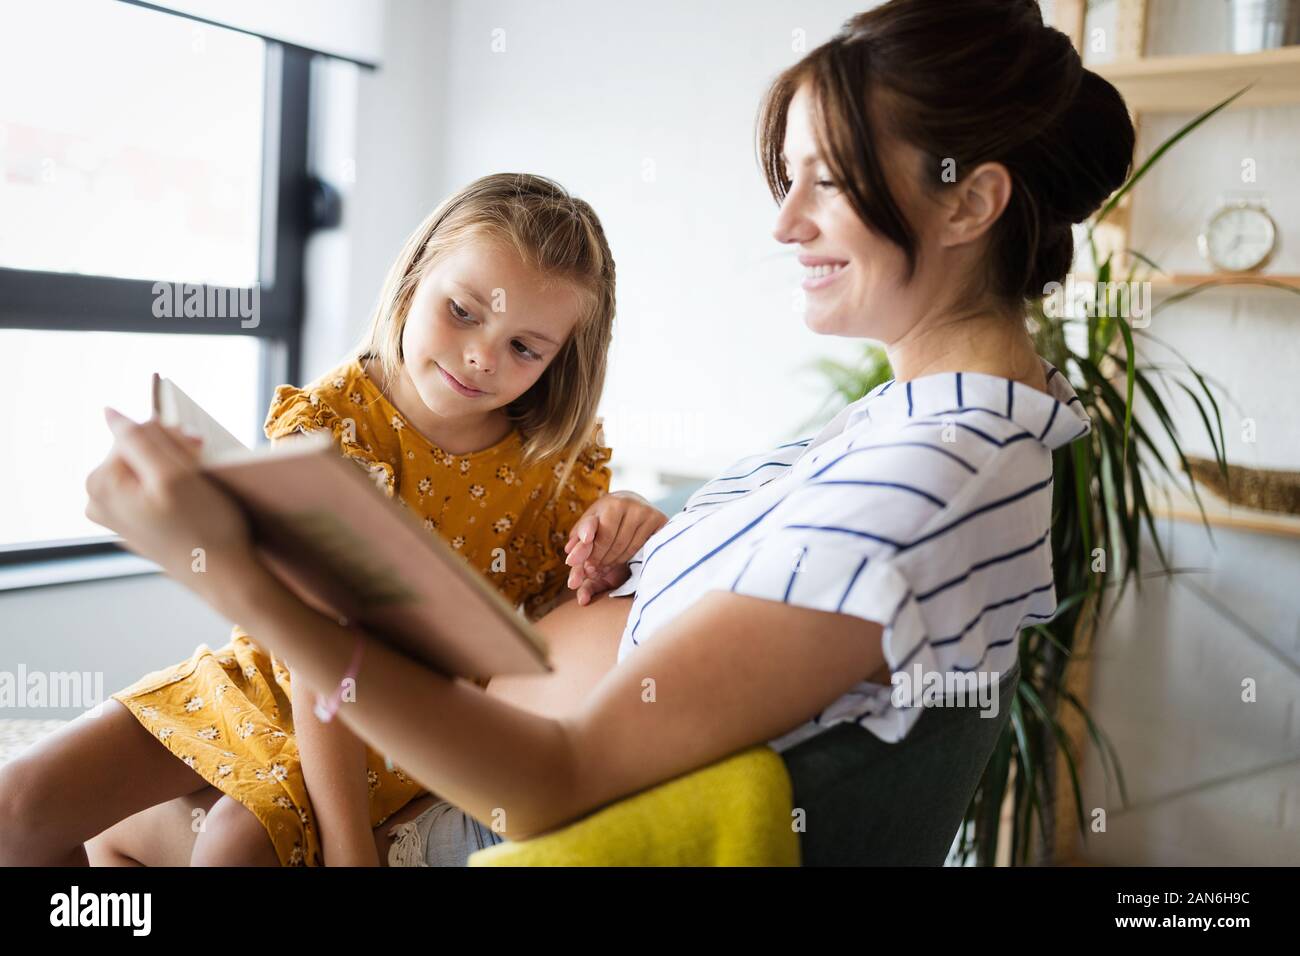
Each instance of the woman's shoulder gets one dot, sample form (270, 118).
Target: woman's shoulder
(908, 475)
(883, 486)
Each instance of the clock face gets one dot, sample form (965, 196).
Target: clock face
(1239, 238)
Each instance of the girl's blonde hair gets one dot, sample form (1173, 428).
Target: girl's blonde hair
(559, 236)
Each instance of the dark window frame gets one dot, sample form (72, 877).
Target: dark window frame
(52, 301)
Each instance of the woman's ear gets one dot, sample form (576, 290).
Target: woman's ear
(974, 204)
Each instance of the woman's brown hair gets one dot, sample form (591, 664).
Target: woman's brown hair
(560, 237)
(966, 82)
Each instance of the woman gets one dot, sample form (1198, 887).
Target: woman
(928, 161)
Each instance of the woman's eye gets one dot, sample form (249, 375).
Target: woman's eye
(827, 184)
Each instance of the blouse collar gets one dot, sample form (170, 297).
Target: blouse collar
(1054, 418)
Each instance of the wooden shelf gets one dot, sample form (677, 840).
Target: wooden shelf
(1194, 83)
(1181, 507)
(1185, 280)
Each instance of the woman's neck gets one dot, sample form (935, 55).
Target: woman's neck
(987, 342)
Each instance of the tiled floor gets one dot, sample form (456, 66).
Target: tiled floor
(1212, 774)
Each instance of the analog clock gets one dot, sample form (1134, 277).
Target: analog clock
(1239, 237)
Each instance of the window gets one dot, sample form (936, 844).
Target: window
(60, 382)
(142, 163)
(153, 194)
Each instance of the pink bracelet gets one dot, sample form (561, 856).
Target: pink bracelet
(326, 709)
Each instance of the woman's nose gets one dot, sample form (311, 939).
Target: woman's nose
(792, 223)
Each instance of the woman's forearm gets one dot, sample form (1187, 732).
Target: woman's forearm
(334, 769)
(495, 761)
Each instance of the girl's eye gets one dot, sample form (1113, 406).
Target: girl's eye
(525, 352)
(827, 184)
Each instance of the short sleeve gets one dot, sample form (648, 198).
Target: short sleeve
(797, 569)
(852, 545)
(588, 480)
(309, 410)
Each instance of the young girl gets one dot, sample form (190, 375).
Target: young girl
(471, 401)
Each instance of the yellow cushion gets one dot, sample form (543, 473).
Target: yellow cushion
(736, 812)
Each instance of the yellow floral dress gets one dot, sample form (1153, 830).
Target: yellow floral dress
(228, 714)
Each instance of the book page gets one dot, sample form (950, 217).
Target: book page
(171, 406)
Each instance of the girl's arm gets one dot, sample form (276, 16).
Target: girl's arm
(605, 538)
(334, 768)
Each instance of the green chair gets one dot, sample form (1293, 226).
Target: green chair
(871, 803)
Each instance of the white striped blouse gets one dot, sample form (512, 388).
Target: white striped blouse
(924, 506)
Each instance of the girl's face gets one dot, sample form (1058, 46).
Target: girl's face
(853, 277)
(482, 327)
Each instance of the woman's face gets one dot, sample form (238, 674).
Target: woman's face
(486, 319)
(853, 277)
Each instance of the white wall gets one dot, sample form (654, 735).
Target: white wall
(1250, 339)
(114, 630)
(647, 111)
(379, 136)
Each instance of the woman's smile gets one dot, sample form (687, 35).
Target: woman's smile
(821, 274)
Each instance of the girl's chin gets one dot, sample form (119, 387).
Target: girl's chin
(441, 400)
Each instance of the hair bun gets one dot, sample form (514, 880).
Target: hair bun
(1096, 131)
(1028, 11)
(1029, 8)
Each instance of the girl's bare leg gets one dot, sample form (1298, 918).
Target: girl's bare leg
(165, 835)
(233, 836)
(583, 643)
(162, 835)
(79, 781)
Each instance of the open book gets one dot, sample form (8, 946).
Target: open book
(324, 528)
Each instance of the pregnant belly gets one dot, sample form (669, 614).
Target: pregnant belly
(584, 647)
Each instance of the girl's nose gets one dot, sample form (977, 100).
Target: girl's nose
(480, 360)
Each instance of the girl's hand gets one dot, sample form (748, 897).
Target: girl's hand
(150, 491)
(605, 537)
